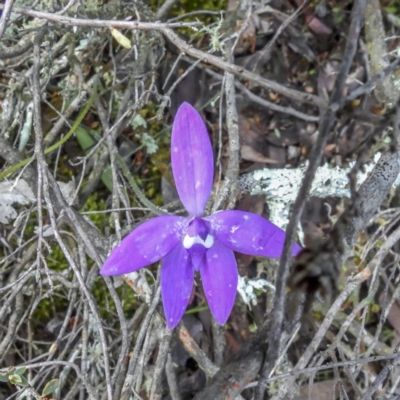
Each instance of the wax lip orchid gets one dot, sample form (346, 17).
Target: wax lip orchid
(195, 243)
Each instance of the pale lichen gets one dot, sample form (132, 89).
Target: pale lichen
(281, 186)
(247, 287)
(216, 35)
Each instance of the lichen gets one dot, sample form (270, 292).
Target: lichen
(281, 186)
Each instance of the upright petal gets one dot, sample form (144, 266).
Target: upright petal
(220, 278)
(249, 233)
(192, 159)
(177, 276)
(146, 244)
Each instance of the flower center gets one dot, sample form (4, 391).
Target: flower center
(189, 241)
(198, 240)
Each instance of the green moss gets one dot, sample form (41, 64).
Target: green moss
(56, 259)
(94, 203)
(193, 5)
(186, 6)
(393, 7)
(106, 304)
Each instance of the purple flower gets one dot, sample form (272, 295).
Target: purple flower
(195, 243)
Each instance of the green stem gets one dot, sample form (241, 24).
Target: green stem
(55, 146)
(142, 198)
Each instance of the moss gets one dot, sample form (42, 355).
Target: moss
(106, 304)
(186, 6)
(393, 7)
(56, 259)
(94, 203)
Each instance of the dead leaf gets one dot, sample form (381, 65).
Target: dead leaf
(121, 38)
(317, 26)
(249, 154)
(327, 78)
(253, 144)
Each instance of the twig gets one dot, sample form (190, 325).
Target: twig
(13, 320)
(261, 101)
(42, 169)
(265, 52)
(231, 379)
(166, 29)
(129, 379)
(171, 378)
(219, 342)
(39, 152)
(230, 184)
(7, 8)
(165, 7)
(326, 367)
(99, 23)
(371, 194)
(167, 95)
(55, 146)
(194, 350)
(274, 107)
(381, 377)
(30, 390)
(160, 364)
(315, 160)
(112, 152)
(229, 187)
(386, 89)
(78, 372)
(243, 73)
(368, 86)
(17, 50)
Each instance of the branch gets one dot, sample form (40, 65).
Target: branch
(20, 48)
(45, 179)
(386, 90)
(369, 197)
(7, 8)
(234, 376)
(315, 160)
(241, 72)
(166, 29)
(209, 368)
(99, 23)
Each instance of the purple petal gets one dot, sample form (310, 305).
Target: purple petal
(220, 278)
(249, 233)
(196, 253)
(145, 245)
(192, 159)
(177, 276)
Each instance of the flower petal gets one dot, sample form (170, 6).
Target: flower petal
(220, 279)
(177, 275)
(145, 245)
(249, 233)
(192, 159)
